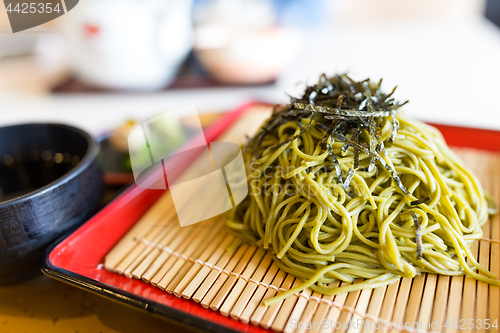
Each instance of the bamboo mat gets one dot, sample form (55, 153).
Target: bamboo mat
(192, 262)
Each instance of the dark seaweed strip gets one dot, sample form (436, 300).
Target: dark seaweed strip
(374, 159)
(418, 234)
(382, 149)
(336, 163)
(394, 176)
(312, 97)
(398, 105)
(355, 139)
(374, 134)
(321, 127)
(373, 129)
(395, 127)
(340, 100)
(388, 97)
(329, 86)
(368, 94)
(348, 179)
(338, 117)
(420, 201)
(301, 127)
(342, 112)
(363, 104)
(372, 164)
(379, 87)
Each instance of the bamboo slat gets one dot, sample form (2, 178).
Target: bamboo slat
(309, 311)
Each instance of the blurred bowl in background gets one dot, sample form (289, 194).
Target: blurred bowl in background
(245, 56)
(49, 184)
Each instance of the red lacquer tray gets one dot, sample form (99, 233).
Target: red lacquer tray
(77, 259)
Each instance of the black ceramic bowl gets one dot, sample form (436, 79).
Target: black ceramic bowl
(49, 183)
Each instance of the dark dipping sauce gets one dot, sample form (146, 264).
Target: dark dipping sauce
(20, 175)
(32, 157)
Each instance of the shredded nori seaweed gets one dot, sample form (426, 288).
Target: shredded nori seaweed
(339, 105)
(420, 201)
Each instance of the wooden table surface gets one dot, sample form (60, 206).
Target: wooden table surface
(44, 305)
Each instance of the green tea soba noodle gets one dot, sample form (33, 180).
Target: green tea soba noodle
(343, 186)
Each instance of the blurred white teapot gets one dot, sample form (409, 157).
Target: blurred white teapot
(128, 44)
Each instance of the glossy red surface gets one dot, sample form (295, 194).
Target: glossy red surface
(470, 137)
(83, 251)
